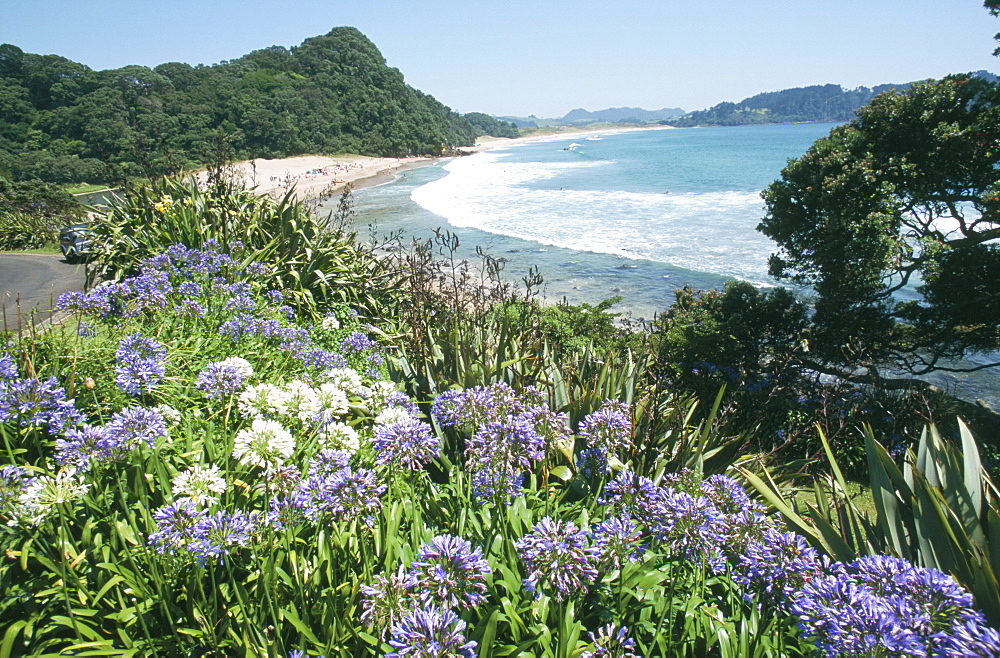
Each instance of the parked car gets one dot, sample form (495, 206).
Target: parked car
(75, 242)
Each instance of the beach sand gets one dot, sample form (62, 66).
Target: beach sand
(316, 175)
(313, 175)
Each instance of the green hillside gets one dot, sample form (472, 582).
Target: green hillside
(61, 121)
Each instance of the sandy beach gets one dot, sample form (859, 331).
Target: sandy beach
(313, 175)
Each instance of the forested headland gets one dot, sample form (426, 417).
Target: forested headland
(62, 122)
(828, 103)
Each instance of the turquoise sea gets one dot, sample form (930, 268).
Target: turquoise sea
(636, 214)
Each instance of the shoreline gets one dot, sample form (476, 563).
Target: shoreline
(321, 175)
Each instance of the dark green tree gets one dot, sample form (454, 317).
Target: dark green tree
(890, 220)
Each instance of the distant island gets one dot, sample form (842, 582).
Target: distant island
(829, 103)
(581, 117)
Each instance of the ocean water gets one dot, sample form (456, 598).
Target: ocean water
(632, 214)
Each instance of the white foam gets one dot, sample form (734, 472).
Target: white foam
(707, 232)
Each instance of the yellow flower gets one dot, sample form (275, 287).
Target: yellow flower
(188, 201)
(159, 207)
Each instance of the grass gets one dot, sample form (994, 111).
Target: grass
(47, 250)
(85, 188)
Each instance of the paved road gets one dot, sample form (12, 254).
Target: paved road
(30, 284)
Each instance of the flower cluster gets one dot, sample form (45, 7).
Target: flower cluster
(226, 377)
(139, 368)
(885, 604)
(32, 402)
(509, 433)
(265, 443)
(416, 609)
(200, 485)
(611, 641)
(427, 632)
(407, 444)
(558, 558)
(310, 410)
(42, 493)
(691, 522)
(184, 526)
(331, 491)
(607, 431)
(127, 430)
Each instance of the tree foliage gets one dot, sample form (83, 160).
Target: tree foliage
(890, 220)
(60, 121)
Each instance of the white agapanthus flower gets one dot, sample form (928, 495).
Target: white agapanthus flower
(171, 415)
(199, 484)
(340, 436)
(302, 401)
(240, 365)
(332, 399)
(330, 323)
(47, 491)
(393, 415)
(378, 393)
(266, 443)
(347, 379)
(263, 400)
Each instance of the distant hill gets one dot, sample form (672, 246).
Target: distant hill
(63, 122)
(531, 121)
(581, 117)
(814, 104)
(621, 115)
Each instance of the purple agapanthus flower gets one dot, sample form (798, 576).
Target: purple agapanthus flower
(690, 526)
(240, 303)
(399, 400)
(139, 366)
(385, 601)
(323, 359)
(219, 379)
(611, 641)
(468, 410)
(618, 541)
(449, 572)
(879, 601)
(558, 558)
(86, 446)
(428, 632)
(610, 428)
(408, 444)
(776, 567)
(342, 495)
(134, 426)
(175, 525)
(92, 303)
(32, 402)
(632, 495)
(8, 369)
(216, 536)
(358, 342)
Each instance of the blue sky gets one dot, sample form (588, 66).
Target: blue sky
(545, 58)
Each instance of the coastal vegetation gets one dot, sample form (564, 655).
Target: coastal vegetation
(62, 122)
(258, 433)
(209, 458)
(32, 213)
